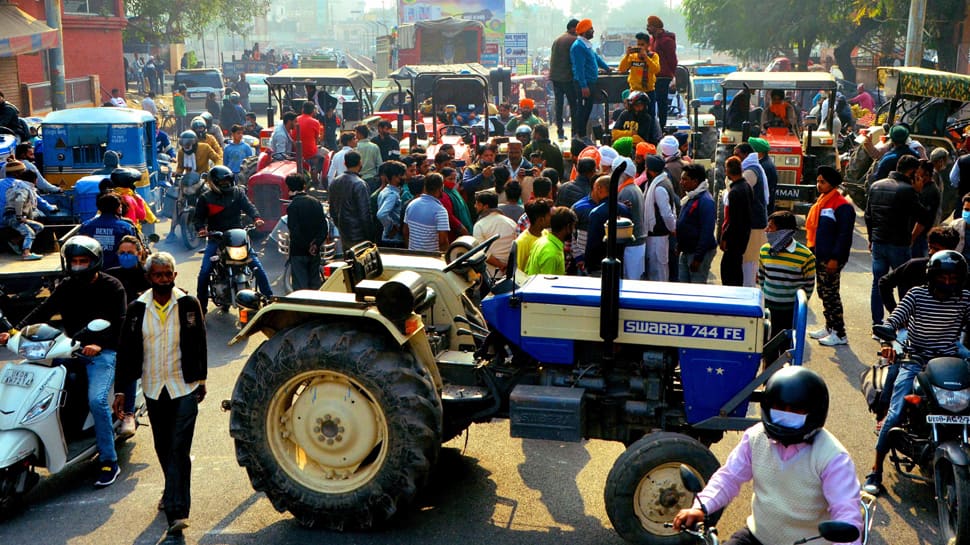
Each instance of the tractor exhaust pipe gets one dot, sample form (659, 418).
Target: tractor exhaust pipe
(611, 272)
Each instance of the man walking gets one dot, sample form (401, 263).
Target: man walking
(586, 64)
(892, 211)
(664, 44)
(163, 343)
(350, 202)
(309, 230)
(561, 73)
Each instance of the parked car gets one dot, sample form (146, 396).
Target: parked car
(199, 83)
(258, 92)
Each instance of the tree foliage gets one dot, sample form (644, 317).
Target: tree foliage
(160, 21)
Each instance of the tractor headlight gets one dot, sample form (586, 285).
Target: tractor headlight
(397, 298)
(954, 401)
(792, 160)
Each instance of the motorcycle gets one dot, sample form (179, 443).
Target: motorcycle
(186, 193)
(231, 271)
(933, 437)
(830, 530)
(38, 403)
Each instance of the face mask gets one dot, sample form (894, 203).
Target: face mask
(787, 419)
(966, 216)
(127, 261)
(78, 268)
(774, 237)
(163, 289)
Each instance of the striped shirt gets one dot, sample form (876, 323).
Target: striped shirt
(425, 217)
(934, 326)
(163, 354)
(782, 275)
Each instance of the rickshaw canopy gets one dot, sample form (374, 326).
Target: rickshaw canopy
(323, 77)
(97, 116)
(780, 80)
(910, 82)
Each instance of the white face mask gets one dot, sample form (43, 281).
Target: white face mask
(787, 419)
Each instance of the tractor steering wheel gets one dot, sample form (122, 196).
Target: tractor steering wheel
(448, 130)
(465, 259)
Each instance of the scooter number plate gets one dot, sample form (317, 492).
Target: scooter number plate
(947, 419)
(17, 377)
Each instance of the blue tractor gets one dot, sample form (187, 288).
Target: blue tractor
(338, 416)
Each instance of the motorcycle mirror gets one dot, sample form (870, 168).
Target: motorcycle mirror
(98, 325)
(248, 299)
(153, 238)
(695, 104)
(884, 332)
(838, 531)
(690, 480)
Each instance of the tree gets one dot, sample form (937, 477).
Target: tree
(158, 21)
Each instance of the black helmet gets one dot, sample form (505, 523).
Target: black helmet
(639, 97)
(125, 177)
(198, 124)
(188, 141)
(795, 389)
(523, 130)
(221, 178)
(78, 246)
(946, 262)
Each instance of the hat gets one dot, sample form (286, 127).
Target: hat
(898, 134)
(646, 148)
(584, 26)
(607, 155)
(111, 159)
(653, 20)
(655, 163)
(630, 169)
(625, 94)
(668, 146)
(624, 146)
(527, 103)
(590, 152)
(759, 145)
(718, 97)
(938, 154)
(832, 176)
(14, 166)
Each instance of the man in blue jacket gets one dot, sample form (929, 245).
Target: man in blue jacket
(695, 227)
(586, 64)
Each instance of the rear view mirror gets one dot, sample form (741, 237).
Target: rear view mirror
(98, 325)
(153, 238)
(884, 333)
(690, 480)
(838, 531)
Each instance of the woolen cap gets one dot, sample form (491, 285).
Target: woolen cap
(655, 164)
(898, 134)
(832, 176)
(584, 26)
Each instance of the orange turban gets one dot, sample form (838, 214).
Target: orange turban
(583, 26)
(646, 148)
(527, 103)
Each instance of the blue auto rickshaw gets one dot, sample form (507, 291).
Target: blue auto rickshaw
(75, 141)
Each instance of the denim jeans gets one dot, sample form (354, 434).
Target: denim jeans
(305, 272)
(101, 378)
(901, 388)
(662, 89)
(566, 90)
(28, 228)
(584, 107)
(202, 287)
(703, 272)
(885, 257)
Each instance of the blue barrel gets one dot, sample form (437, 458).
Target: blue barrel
(86, 197)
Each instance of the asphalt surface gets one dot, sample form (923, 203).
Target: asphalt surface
(487, 488)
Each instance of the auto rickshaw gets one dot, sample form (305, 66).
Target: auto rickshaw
(75, 141)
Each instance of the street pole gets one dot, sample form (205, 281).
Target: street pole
(55, 56)
(914, 33)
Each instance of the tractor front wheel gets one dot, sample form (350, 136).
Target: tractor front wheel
(644, 490)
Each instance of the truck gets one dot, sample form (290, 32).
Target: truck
(448, 40)
(340, 413)
(613, 45)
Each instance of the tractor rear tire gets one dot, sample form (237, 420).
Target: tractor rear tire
(644, 490)
(246, 170)
(336, 424)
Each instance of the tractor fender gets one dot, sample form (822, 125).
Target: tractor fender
(285, 313)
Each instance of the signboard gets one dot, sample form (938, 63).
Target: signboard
(516, 49)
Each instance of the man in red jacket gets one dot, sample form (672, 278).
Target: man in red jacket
(664, 44)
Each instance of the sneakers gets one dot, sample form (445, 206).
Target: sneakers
(873, 484)
(177, 526)
(109, 473)
(128, 426)
(833, 339)
(820, 333)
(32, 257)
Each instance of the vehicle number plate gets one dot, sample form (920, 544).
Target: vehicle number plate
(18, 377)
(196, 95)
(947, 419)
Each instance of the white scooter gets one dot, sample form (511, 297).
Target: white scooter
(32, 395)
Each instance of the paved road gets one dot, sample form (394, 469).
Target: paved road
(488, 488)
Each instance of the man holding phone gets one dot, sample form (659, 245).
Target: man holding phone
(541, 145)
(641, 64)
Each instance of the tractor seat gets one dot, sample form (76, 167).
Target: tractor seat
(363, 263)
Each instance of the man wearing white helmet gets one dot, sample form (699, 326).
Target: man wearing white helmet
(717, 110)
(669, 148)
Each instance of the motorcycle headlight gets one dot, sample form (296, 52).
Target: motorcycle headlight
(34, 350)
(39, 408)
(954, 401)
(237, 253)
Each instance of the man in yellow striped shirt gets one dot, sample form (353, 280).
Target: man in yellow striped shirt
(786, 266)
(163, 342)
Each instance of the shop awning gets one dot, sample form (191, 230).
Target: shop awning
(20, 33)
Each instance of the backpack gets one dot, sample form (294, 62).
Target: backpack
(876, 384)
(17, 196)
